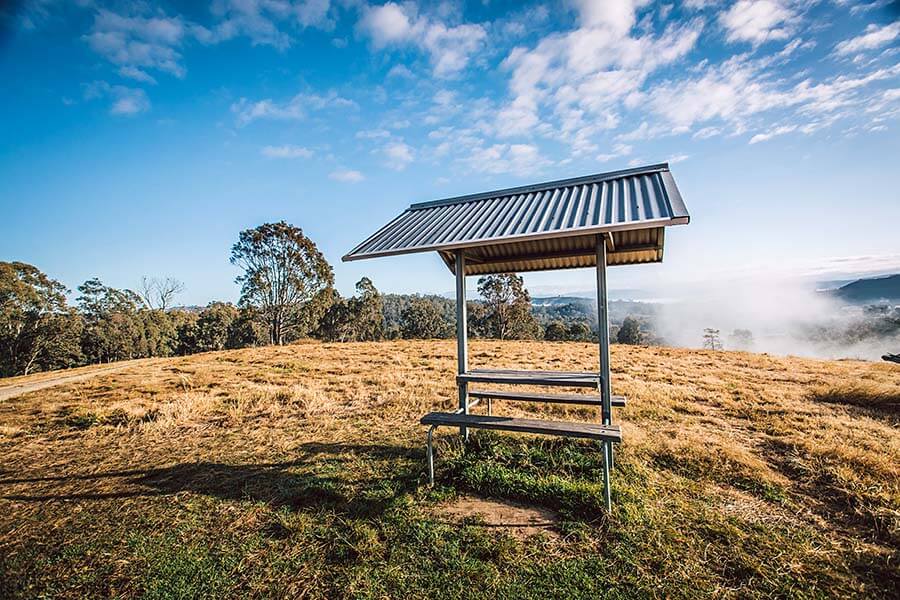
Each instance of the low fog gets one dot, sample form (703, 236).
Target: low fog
(784, 317)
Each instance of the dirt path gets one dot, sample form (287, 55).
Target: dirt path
(11, 391)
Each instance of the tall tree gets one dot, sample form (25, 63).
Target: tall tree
(741, 339)
(366, 312)
(508, 307)
(246, 330)
(214, 325)
(580, 332)
(357, 319)
(630, 332)
(284, 273)
(185, 323)
(711, 339)
(37, 329)
(556, 331)
(114, 329)
(423, 318)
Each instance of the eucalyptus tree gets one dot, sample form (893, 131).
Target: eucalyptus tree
(285, 278)
(424, 318)
(507, 305)
(37, 329)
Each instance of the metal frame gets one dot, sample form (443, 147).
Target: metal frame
(605, 386)
(515, 230)
(462, 335)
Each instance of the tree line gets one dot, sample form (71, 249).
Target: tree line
(287, 293)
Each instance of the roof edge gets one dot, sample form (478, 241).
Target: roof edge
(524, 189)
(577, 231)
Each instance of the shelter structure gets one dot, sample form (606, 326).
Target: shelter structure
(616, 218)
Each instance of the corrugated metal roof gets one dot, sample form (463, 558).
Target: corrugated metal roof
(550, 225)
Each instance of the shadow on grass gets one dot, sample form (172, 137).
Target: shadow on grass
(834, 502)
(318, 478)
(877, 401)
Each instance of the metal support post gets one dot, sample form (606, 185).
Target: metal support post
(605, 387)
(429, 447)
(462, 350)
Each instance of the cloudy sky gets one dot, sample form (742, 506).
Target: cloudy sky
(138, 138)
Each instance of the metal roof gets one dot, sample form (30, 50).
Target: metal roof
(545, 226)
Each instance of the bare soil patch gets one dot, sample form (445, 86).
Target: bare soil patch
(517, 519)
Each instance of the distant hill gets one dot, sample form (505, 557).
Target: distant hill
(560, 301)
(879, 289)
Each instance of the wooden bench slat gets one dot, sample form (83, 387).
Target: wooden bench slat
(511, 377)
(593, 431)
(580, 399)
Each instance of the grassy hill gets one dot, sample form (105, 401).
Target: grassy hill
(299, 471)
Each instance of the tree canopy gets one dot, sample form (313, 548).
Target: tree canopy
(285, 277)
(37, 329)
(507, 308)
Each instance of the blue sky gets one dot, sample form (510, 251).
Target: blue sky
(139, 138)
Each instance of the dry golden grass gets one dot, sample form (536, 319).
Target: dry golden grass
(792, 449)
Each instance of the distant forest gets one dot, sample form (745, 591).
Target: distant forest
(287, 293)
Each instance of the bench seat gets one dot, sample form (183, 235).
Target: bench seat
(593, 431)
(581, 399)
(512, 377)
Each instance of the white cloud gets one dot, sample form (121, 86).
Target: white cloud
(286, 151)
(138, 42)
(136, 74)
(518, 117)
(677, 158)
(794, 46)
(247, 111)
(874, 37)
(700, 4)
(707, 132)
(449, 47)
(618, 15)
(732, 97)
(373, 134)
(452, 47)
(618, 151)
(346, 176)
(727, 92)
(244, 18)
(837, 93)
(572, 86)
(401, 71)
(519, 159)
(125, 101)
(518, 24)
(386, 24)
(312, 13)
(397, 155)
(757, 21)
(645, 131)
(768, 135)
(130, 102)
(731, 94)
(860, 8)
(261, 20)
